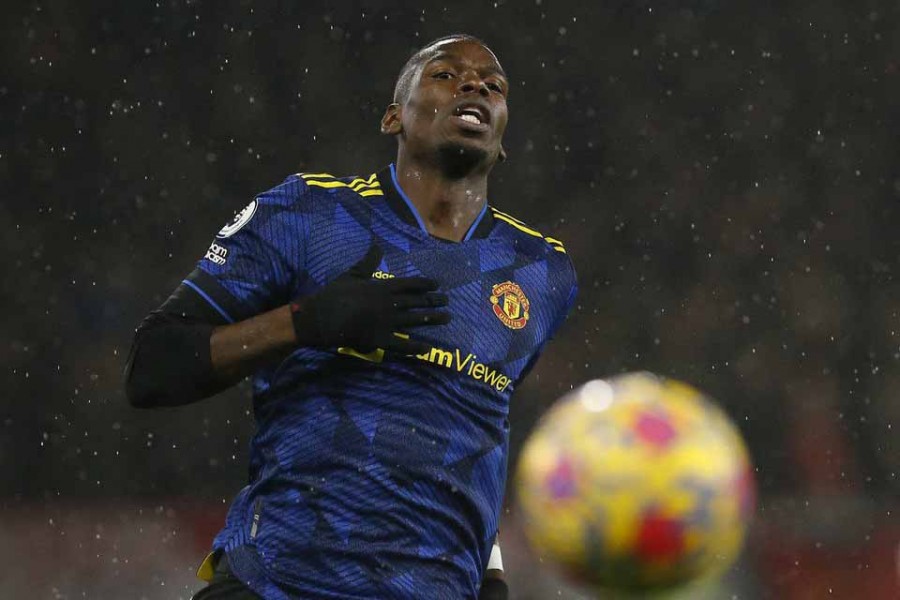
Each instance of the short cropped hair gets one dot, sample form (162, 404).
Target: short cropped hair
(408, 73)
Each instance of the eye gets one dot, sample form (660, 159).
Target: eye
(495, 87)
(443, 75)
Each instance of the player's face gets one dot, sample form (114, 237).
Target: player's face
(457, 104)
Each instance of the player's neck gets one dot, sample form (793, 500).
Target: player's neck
(447, 206)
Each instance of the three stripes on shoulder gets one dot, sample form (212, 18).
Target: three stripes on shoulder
(365, 187)
(554, 243)
(369, 186)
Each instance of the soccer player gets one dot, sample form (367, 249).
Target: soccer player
(385, 321)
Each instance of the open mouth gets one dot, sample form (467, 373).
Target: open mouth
(470, 116)
(474, 117)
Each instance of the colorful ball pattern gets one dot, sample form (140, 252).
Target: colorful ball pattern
(635, 483)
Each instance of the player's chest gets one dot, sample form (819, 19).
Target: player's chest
(501, 302)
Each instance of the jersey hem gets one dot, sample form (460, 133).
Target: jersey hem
(247, 566)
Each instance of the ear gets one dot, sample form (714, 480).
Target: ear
(390, 122)
(502, 156)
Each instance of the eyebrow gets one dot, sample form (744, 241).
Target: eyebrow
(494, 69)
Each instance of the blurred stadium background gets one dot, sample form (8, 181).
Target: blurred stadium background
(726, 177)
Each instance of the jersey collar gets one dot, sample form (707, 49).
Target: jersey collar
(403, 207)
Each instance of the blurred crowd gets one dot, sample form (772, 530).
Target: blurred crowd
(725, 177)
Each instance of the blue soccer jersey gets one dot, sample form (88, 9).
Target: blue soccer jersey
(375, 476)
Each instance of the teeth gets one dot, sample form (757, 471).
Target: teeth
(470, 118)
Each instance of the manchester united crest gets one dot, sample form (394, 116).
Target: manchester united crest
(510, 304)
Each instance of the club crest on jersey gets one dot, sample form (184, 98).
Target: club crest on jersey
(510, 304)
(240, 219)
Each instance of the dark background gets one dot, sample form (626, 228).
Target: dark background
(725, 176)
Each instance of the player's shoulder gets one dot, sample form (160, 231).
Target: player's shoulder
(344, 186)
(310, 189)
(544, 248)
(528, 237)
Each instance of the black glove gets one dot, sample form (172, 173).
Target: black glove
(362, 313)
(493, 589)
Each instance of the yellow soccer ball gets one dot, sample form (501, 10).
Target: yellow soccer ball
(635, 483)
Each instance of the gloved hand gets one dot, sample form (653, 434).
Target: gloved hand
(357, 311)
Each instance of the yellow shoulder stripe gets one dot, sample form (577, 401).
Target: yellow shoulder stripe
(517, 225)
(326, 184)
(554, 243)
(360, 183)
(508, 216)
(368, 186)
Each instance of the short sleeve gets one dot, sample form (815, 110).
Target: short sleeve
(257, 260)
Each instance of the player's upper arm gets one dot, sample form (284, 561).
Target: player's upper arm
(252, 266)
(257, 260)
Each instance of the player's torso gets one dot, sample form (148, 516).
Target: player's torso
(397, 461)
(504, 299)
(493, 330)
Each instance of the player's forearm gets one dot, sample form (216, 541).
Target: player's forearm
(169, 363)
(238, 349)
(175, 361)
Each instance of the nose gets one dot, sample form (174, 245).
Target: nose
(473, 83)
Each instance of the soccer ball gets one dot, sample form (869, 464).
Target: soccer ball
(636, 483)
